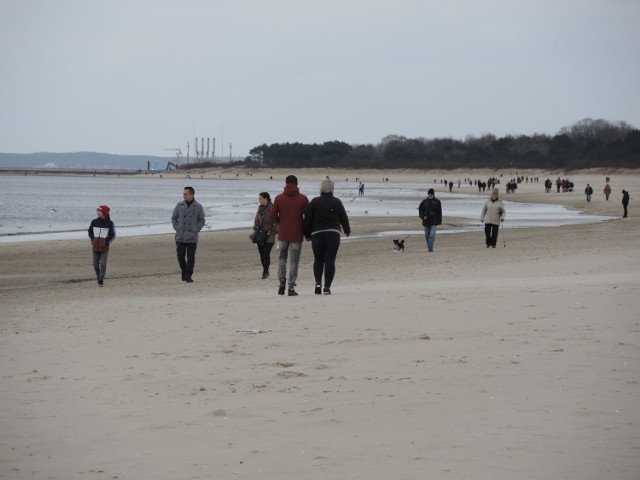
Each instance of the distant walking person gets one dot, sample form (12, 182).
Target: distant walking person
(323, 220)
(101, 232)
(450, 186)
(430, 211)
(288, 212)
(264, 223)
(361, 189)
(588, 192)
(607, 191)
(492, 215)
(625, 202)
(187, 220)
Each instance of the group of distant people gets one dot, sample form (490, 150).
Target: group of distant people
(291, 219)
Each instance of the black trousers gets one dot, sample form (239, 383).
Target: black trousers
(186, 257)
(265, 256)
(325, 247)
(491, 233)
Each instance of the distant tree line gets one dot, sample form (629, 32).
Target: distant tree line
(586, 144)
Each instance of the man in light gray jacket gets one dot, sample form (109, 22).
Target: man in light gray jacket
(187, 220)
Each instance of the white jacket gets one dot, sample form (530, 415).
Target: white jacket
(493, 212)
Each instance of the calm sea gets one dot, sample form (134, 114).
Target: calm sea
(57, 207)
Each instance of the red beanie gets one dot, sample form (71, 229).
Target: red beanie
(104, 209)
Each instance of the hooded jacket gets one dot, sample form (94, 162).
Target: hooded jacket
(187, 220)
(101, 232)
(287, 211)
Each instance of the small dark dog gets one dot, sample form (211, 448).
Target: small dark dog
(398, 245)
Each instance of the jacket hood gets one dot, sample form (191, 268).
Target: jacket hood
(291, 190)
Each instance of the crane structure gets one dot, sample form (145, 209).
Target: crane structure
(178, 158)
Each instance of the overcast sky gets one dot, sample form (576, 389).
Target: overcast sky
(139, 76)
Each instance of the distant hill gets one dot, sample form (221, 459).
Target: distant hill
(82, 160)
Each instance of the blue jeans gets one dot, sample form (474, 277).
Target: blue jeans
(430, 235)
(295, 248)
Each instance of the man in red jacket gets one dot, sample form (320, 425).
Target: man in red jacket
(288, 212)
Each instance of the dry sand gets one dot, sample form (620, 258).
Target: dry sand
(466, 363)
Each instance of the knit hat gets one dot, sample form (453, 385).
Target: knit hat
(431, 192)
(104, 209)
(291, 179)
(326, 186)
(495, 192)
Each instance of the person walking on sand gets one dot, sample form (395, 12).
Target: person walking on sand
(263, 222)
(430, 211)
(323, 219)
(187, 220)
(607, 191)
(625, 202)
(588, 192)
(102, 233)
(287, 212)
(492, 215)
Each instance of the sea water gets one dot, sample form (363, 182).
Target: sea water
(38, 208)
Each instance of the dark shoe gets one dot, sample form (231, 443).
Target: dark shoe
(189, 280)
(281, 290)
(327, 291)
(318, 289)
(292, 292)
(431, 250)
(488, 245)
(265, 275)
(493, 246)
(101, 283)
(184, 277)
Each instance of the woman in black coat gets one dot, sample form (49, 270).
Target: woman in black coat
(324, 221)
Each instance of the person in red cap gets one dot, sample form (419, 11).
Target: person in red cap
(101, 232)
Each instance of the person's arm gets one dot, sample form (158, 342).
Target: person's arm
(174, 218)
(200, 222)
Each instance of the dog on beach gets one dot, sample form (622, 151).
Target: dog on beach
(398, 245)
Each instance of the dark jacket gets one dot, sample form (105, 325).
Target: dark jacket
(287, 211)
(263, 222)
(430, 211)
(101, 232)
(326, 212)
(187, 221)
(625, 198)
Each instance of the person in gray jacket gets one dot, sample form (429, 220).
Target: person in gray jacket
(187, 220)
(492, 215)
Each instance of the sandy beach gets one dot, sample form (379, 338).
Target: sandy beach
(466, 363)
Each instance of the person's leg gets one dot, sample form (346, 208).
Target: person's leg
(266, 257)
(487, 234)
(261, 253)
(318, 247)
(181, 251)
(431, 237)
(96, 264)
(191, 259)
(494, 235)
(282, 262)
(332, 244)
(295, 248)
(103, 265)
